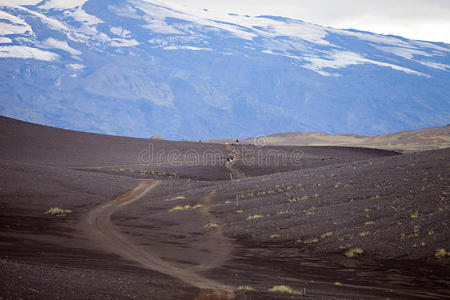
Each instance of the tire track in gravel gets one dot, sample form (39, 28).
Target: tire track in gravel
(99, 226)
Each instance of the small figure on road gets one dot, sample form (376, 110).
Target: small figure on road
(230, 157)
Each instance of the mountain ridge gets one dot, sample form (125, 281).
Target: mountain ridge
(137, 68)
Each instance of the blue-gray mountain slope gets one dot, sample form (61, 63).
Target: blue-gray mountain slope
(140, 68)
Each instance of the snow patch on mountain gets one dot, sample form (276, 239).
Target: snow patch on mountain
(116, 42)
(62, 4)
(407, 53)
(10, 24)
(246, 27)
(25, 52)
(342, 59)
(74, 9)
(120, 31)
(15, 3)
(62, 45)
(435, 65)
(157, 15)
(192, 48)
(76, 66)
(51, 22)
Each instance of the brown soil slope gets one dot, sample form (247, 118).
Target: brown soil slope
(414, 140)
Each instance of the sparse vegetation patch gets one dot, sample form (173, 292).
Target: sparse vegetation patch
(441, 253)
(254, 217)
(311, 241)
(211, 225)
(245, 288)
(185, 207)
(354, 252)
(55, 211)
(284, 289)
(414, 215)
(325, 235)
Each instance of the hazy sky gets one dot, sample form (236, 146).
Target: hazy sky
(415, 19)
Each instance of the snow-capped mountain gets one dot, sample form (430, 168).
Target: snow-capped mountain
(141, 67)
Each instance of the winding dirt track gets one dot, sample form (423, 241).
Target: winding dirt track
(99, 226)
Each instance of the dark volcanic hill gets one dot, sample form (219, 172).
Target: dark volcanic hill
(147, 217)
